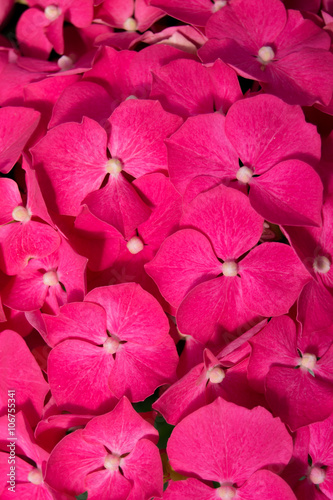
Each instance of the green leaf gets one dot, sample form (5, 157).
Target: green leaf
(83, 496)
(164, 430)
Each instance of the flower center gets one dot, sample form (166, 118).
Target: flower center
(134, 245)
(111, 344)
(65, 63)
(52, 12)
(114, 167)
(218, 5)
(35, 476)
(226, 492)
(215, 375)
(244, 175)
(265, 54)
(229, 268)
(50, 278)
(111, 462)
(321, 264)
(130, 97)
(308, 361)
(317, 475)
(21, 214)
(130, 24)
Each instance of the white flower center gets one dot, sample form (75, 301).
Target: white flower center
(215, 375)
(111, 462)
(35, 476)
(111, 344)
(308, 361)
(244, 175)
(317, 475)
(130, 97)
(266, 54)
(21, 214)
(218, 5)
(226, 492)
(52, 12)
(65, 63)
(135, 245)
(321, 264)
(130, 24)
(229, 268)
(114, 167)
(50, 278)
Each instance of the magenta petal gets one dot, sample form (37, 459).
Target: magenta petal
(272, 278)
(176, 271)
(21, 242)
(143, 467)
(132, 313)
(79, 100)
(103, 483)
(10, 198)
(120, 429)
(201, 147)
(31, 35)
(71, 460)
(276, 343)
(71, 162)
(68, 365)
(265, 131)
(118, 204)
(17, 125)
(19, 372)
(136, 141)
(265, 484)
(184, 396)
(139, 369)
(289, 390)
(278, 195)
(315, 307)
(227, 218)
(191, 488)
(84, 321)
(213, 309)
(227, 443)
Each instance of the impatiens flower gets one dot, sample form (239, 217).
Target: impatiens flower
(287, 54)
(114, 457)
(310, 470)
(48, 282)
(16, 127)
(215, 287)
(274, 145)
(20, 373)
(216, 87)
(233, 446)
(120, 334)
(293, 371)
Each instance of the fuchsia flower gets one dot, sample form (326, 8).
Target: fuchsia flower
(20, 372)
(120, 334)
(197, 12)
(115, 456)
(287, 54)
(275, 146)
(233, 446)
(295, 372)
(129, 15)
(215, 287)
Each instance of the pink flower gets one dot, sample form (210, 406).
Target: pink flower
(287, 54)
(115, 456)
(234, 447)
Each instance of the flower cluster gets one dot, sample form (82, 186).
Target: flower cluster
(166, 249)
